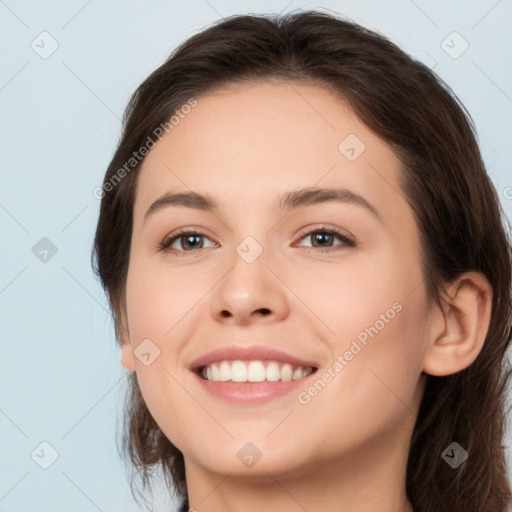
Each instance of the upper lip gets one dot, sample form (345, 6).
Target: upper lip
(251, 353)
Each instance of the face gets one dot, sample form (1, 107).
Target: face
(271, 324)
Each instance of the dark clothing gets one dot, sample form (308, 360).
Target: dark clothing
(184, 506)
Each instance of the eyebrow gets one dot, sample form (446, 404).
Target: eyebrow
(291, 200)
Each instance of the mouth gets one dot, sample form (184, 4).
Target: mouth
(252, 371)
(251, 375)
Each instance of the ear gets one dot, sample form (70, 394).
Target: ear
(459, 330)
(127, 357)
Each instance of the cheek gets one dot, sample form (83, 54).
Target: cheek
(160, 302)
(360, 297)
(382, 362)
(377, 316)
(162, 307)
(373, 391)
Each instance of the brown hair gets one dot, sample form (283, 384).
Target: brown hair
(461, 223)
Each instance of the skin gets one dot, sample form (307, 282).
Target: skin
(347, 448)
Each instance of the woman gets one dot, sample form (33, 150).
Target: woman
(310, 276)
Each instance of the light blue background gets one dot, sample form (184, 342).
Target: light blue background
(60, 376)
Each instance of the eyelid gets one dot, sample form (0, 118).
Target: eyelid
(173, 236)
(346, 238)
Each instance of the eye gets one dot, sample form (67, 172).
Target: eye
(323, 238)
(186, 240)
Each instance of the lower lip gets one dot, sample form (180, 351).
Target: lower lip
(248, 393)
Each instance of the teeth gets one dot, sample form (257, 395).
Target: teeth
(238, 372)
(225, 371)
(254, 371)
(273, 373)
(298, 373)
(286, 373)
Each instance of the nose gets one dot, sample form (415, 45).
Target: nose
(250, 292)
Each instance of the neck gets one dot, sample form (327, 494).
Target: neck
(367, 479)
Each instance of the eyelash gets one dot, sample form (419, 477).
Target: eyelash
(347, 240)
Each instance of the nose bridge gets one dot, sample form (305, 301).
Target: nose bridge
(249, 289)
(250, 249)
(250, 232)
(248, 274)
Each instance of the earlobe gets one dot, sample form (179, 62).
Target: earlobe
(459, 331)
(127, 357)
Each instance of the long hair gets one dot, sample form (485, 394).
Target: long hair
(462, 226)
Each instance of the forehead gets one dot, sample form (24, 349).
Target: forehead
(253, 142)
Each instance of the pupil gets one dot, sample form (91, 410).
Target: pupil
(191, 238)
(321, 237)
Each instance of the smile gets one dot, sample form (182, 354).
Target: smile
(253, 371)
